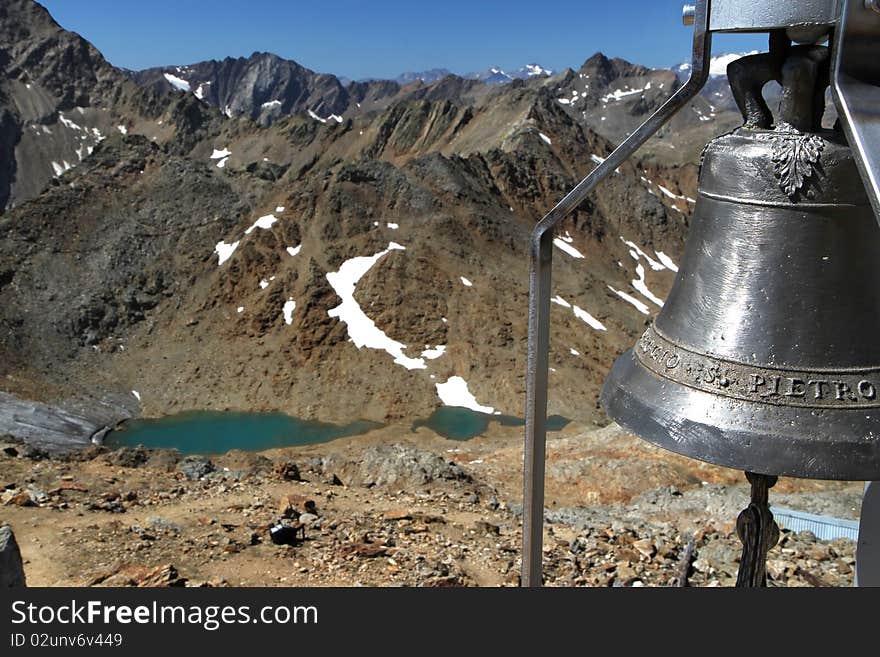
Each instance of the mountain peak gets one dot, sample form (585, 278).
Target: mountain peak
(27, 12)
(604, 70)
(598, 58)
(262, 86)
(533, 70)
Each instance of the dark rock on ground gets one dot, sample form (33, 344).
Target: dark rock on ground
(288, 470)
(163, 524)
(140, 576)
(196, 467)
(129, 457)
(11, 568)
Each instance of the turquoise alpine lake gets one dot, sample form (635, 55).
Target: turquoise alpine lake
(457, 423)
(217, 432)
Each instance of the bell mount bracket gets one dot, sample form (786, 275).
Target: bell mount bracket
(541, 263)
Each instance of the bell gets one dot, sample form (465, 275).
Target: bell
(765, 356)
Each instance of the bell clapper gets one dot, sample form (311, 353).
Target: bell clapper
(758, 532)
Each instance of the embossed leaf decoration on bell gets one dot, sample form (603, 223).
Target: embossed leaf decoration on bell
(766, 355)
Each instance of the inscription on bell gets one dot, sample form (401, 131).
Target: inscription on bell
(812, 388)
(750, 383)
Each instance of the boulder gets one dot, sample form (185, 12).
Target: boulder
(384, 465)
(288, 471)
(140, 576)
(11, 567)
(129, 457)
(196, 467)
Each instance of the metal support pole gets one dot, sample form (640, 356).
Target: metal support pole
(868, 548)
(541, 261)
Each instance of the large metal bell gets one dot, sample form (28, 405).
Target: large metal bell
(766, 355)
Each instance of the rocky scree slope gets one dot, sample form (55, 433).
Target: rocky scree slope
(381, 510)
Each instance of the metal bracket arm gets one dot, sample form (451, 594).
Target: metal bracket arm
(541, 261)
(855, 81)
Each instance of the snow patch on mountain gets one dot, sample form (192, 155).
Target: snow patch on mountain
(667, 261)
(287, 310)
(176, 82)
(641, 286)
(263, 222)
(224, 251)
(641, 307)
(362, 330)
(455, 393)
(535, 70)
(584, 316)
(568, 248)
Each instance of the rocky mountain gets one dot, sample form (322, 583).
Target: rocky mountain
(368, 266)
(614, 96)
(262, 86)
(58, 99)
(265, 86)
(609, 96)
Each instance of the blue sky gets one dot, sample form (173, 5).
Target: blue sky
(382, 38)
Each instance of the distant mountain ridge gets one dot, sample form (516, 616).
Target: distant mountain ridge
(262, 86)
(429, 76)
(265, 86)
(497, 75)
(494, 75)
